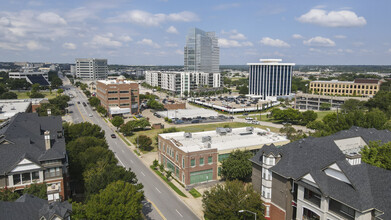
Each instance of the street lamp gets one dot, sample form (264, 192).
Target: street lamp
(255, 214)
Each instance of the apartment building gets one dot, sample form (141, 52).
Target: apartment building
(118, 96)
(181, 82)
(307, 101)
(358, 87)
(323, 178)
(91, 68)
(32, 150)
(270, 79)
(196, 157)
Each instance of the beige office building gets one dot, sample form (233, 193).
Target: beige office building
(358, 87)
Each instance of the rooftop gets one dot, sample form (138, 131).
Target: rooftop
(11, 107)
(271, 62)
(188, 113)
(117, 82)
(223, 139)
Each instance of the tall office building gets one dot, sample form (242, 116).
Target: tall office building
(270, 79)
(91, 68)
(202, 53)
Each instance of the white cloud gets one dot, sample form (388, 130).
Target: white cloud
(148, 42)
(172, 30)
(69, 46)
(297, 36)
(34, 45)
(234, 34)
(340, 36)
(170, 44)
(319, 42)
(343, 18)
(125, 38)
(103, 41)
(144, 18)
(226, 43)
(51, 18)
(274, 42)
(226, 6)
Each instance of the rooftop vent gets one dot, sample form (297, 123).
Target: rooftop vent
(187, 135)
(249, 129)
(206, 139)
(221, 131)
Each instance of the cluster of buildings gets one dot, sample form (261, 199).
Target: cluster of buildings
(33, 73)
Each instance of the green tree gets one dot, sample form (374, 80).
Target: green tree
(185, 93)
(237, 166)
(119, 200)
(101, 110)
(38, 190)
(117, 121)
(55, 83)
(243, 90)
(153, 104)
(308, 116)
(224, 201)
(8, 95)
(36, 95)
(168, 174)
(35, 88)
(74, 131)
(94, 101)
(377, 154)
(352, 105)
(155, 163)
(8, 194)
(130, 126)
(325, 106)
(144, 142)
(60, 91)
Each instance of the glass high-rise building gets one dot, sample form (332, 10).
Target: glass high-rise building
(202, 53)
(270, 79)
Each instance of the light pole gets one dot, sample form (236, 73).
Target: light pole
(255, 214)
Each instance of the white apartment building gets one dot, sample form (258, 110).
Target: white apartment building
(91, 68)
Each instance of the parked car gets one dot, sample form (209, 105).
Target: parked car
(179, 121)
(245, 114)
(113, 136)
(195, 121)
(249, 118)
(78, 102)
(90, 115)
(139, 116)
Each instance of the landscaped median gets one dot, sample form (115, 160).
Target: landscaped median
(195, 193)
(168, 181)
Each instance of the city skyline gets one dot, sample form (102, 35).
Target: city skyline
(153, 32)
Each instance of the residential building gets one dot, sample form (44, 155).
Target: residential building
(118, 96)
(270, 79)
(201, 53)
(196, 157)
(358, 87)
(307, 101)
(91, 68)
(181, 83)
(32, 150)
(29, 207)
(323, 178)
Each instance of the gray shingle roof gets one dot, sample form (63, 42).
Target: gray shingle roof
(369, 185)
(24, 132)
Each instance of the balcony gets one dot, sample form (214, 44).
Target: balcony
(312, 197)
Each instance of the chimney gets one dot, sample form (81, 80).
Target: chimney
(49, 112)
(47, 140)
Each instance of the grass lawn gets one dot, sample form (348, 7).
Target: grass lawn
(322, 114)
(193, 128)
(195, 193)
(23, 95)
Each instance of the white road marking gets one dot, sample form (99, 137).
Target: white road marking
(142, 173)
(158, 190)
(179, 213)
(131, 161)
(121, 162)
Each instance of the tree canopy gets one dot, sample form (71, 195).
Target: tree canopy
(74, 131)
(237, 166)
(377, 154)
(117, 121)
(129, 127)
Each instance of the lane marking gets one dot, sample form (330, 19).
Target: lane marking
(120, 161)
(131, 161)
(158, 190)
(158, 211)
(142, 173)
(80, 112)
(179, 213)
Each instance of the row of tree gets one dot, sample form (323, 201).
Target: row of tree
(294, 116)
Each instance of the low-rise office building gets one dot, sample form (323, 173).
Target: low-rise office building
(358, 87)
(32, 150)
(118, 96)
(195, 157)
(323, 178)
(305, 101)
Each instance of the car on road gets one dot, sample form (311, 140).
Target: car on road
(84, 104)
(195, 121)
(113, 136)
(78, 102)
(245, 114)
(89, 115)
(249, 118)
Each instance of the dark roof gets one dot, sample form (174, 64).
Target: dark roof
(37, 79)
(30, 207)
(375, 81)
(369, 186)
(24, 132)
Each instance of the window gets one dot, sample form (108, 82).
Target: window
(123, 91)
(35, 176)
(183, 162)
(113, 98)
(312, 197)
(112, 92)
(267, 213)
(26, 178)
(124, 98)
(210, 160)
(192, 162)
(177, 157)
(201, 161)
(16, 178)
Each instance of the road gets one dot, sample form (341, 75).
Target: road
(161, 202)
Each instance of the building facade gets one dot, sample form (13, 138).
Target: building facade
(201, 53)
(358, 87)
(180, 83)
(91, 68)
(118, 96)
(323, 178)
(306, 101)
(32, 150)
(24, 75)
(196, 158)
(270, 79)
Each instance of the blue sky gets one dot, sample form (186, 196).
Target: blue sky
(152, 32)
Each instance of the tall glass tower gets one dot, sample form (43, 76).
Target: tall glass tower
(202, 53)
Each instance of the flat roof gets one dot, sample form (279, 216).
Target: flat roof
(110, 82)
(238, 138)
(188, 113)
(331, 81)
(11, 107)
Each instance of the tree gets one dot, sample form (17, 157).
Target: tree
(144, 142)
(237, 166)
(352, 105)
(325, 106)
(74, 131)
(168, 174)
(224, 201)
(36, 95)
(119, 200)
(101, 110)
(56, 82)
(94, 101)
(8, 95)
(155, 163)
(308, 116)
(377, 154)
(7, 194)
(60, 91)
(153, 104)
(38, 190)
(243, 90)
(130, 126)
(117, 121)
(185, 93)
(35, 88)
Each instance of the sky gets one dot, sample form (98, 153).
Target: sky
(153, 32)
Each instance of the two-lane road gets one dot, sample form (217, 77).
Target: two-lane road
(162, 202)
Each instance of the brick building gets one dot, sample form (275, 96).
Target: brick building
(196, 157)
(118, 96)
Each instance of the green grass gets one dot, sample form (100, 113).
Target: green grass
(168, 182)
(322, 114)
(136, 152)
(23, 95)
(195, 193)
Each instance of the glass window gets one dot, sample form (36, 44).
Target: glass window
(192, 162)
(26, 178)
(35, 176)
(16, 178)
(210, 159)
(201, 161)
(177, 157)
(183, 162)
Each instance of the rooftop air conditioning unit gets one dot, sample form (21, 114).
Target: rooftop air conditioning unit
(206, 139)
(187, 135)
(249, 129)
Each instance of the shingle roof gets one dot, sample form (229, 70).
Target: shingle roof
(369, 186)
(24, 132)
(30, 207)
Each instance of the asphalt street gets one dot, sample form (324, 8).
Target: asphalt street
(161, 202)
